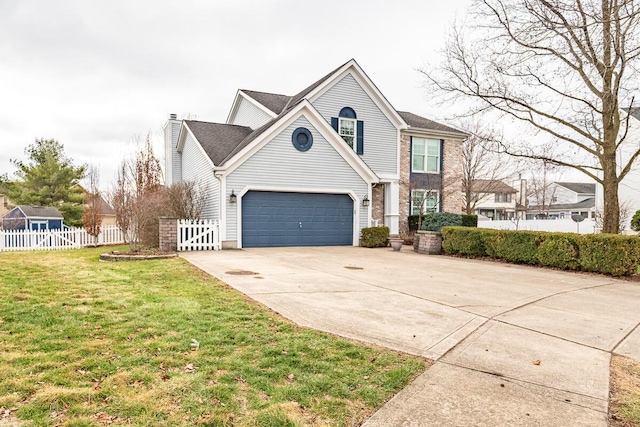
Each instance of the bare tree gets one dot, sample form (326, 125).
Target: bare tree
(480, 166)
(186, 199)
(540, 191)
(565, 68)
(138, 198)
(92, 214)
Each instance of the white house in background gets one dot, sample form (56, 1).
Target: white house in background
(563, 199)
(629, 188)
(316, 167)
(498, 200)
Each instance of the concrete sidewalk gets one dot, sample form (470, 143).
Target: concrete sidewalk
(514, 345)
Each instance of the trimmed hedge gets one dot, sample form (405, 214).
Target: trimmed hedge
(600, 253)
(374, 237)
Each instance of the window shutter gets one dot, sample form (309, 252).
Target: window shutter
(334, 123)
(441, 155)
(360, 138)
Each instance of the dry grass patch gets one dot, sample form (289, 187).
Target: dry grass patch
(90, 343)
(624, 404)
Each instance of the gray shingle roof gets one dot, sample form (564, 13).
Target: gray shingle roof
(634, 112)
(273, 101)
(420, 122)
(579, 187)
(585, 204)
(218, 140)
(281, 103)
(491, 186)
(221, 141)
(40, 211)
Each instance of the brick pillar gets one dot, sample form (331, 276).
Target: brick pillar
(168, 234)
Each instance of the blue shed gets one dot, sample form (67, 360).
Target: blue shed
(25, 217)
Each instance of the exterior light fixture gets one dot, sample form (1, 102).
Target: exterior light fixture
(232, 197)
(365, 202)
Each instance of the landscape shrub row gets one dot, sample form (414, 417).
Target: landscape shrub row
(374, 237)
(601, 253)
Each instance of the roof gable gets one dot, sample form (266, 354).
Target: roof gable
(491, 186)
(260, 137)
(579, 187)
(40, 211)
(273, 101)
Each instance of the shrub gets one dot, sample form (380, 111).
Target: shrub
(635, 221)
(435, 221)
(374, 237)
(413, 222)
(469, 220)
(464, 241)
(609, 253)
(601, 253)
(520, 247)
(559, 250)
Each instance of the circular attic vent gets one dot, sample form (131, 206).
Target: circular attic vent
(302, 139)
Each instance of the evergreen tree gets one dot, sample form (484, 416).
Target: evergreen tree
(48, 178)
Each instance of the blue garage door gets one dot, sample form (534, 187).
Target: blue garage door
(296, 219)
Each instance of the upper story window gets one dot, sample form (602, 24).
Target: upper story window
(347, 130)
(503, 197)
(350, 129)
(425, 155)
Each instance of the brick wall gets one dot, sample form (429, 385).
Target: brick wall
(168, 228)
(377, 204)
(452, 177)
(405, 182)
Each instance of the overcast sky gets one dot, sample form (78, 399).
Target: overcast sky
(96, 75)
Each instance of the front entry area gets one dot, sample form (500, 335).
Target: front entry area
(271, 219)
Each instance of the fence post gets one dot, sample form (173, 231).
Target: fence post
(168, 234)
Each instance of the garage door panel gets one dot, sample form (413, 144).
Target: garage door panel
(296, 219)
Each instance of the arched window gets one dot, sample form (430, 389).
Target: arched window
(350, 129)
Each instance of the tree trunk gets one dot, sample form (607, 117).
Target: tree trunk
(611, 220)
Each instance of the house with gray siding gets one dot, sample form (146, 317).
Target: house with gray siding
(316, 167)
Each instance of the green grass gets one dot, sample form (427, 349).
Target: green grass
(624, 405)
(86, 343)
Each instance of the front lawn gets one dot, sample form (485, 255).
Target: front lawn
(160, 343)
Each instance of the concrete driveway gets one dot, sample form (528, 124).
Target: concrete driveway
(514, 345)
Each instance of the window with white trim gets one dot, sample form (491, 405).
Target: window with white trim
(347, 130)
(503, 197)
(425, 155)
(428, 199)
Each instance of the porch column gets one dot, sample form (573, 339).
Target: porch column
(392, 206)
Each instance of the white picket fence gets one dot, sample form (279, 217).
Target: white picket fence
(199, 235)
(69, 238)
(587, 226)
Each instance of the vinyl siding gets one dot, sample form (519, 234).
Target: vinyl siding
(172, 159)
(249, 115)
(279, 165)
(380, 135)
(198, 168)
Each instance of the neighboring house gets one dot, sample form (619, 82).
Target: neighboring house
(108, 214)
(497, 200)
(316, 167)
(563, 199)
(25, 217)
